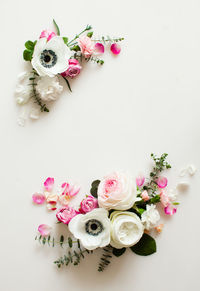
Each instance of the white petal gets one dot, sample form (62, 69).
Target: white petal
(192, 170)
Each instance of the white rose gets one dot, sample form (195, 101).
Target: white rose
(117, 191)
(150, 217)
(126, 229)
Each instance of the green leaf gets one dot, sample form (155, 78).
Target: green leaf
(27, 55)
(155, 199)
(29, 45)
(76, 48)
(70, 242)
(65, 40)
(94, 188)
(44, 240)
(61, 240)
(68, 84)
(118, 252)
(141, 210)
(57, 28)
(90, 34)
(48, 240)
(145, 247)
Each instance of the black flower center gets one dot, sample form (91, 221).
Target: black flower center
(93, 227)
(48, 58)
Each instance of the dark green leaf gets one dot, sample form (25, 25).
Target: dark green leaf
(44, 240)
(48, 240)
(61, 240)
(68, 84)
(145, 247)
(29, 45)
(27, 55)
(70, 242)
(65, 40)
(90, 34)
(118, 252)
(76, 48)
(155, 199)
(94, 188)
(57, 28)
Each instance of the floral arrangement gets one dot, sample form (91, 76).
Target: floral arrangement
(120, 213)
(53, 57)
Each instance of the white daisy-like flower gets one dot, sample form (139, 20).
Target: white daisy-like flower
(92, 229)
(49, 88)
(150, 217)
(51, 57)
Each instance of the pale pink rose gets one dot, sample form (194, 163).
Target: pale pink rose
(117, 191)
(44, 229)
(162, 182)
(170, 210)
(65, 214)
(140, 180)
(73, 69)
(115, 48)
(38, 198)
(47, 34)
(88, 204)
(145, 196)
(86, 45)
(164, 198)
(48, 184)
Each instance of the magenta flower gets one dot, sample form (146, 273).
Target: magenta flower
(162, 182)
(44, 229)
(88, 204)
(99, 48)
(73, 69)
(38, 198)
(47, 34)
(140, 180)
(170, 210)
(65, 214)
(115, 48)
(48, 184)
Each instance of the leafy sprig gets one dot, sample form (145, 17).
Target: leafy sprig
(50, 241)
(105, 258)
(28, 52)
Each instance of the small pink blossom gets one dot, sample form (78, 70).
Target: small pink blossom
(47, 34)
(65, 214)
(73, 69)
(170, 210)
(99, 48)
(88, 204)
(159, 228)
(86, 45)
(48, 184)
(44, 229)
(162, 182)
(145, 196)
(164, 198)
(140, 180)
(115, 48)
(38, 198)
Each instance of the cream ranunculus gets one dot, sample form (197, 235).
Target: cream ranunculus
(117, 191)
(51, 57)
(92, 229)
(126, 229)
(150, 217)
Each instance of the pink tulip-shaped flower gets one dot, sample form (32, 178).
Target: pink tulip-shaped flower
(140, 180)
(47, 34)
(88, 204)
(162, 182)
(65, 214)
(44, 229)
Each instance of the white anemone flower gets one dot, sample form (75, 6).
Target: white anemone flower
(51, 57)
(49, 88)
(92, 229)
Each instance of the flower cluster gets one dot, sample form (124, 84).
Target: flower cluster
(53, 57)
(119, 213)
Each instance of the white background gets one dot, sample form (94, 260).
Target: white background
(146, 99)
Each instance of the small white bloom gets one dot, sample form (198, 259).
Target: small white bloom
(93, 228)
(150, 217)
(49, 88)
(51, 57)
(126, 229)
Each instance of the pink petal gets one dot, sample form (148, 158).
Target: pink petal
(48, 184)
(140, 180)
(38, 198)
(99, 48)
(162, 182)
(169, 210)
(115, 48)
(44, 229)
(51, 206)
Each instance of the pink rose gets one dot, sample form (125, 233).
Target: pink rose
(117, 191)
(145, 196)
(73, 69)
(86, 45)
(88, 204)
(47, 34)
(65, 214)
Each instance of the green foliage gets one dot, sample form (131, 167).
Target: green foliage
(145, 247)
(61, 240)
(65, 40)
(28, 52)
(56, 26)
(105, 258)
(67, 82)
(50, 241)
(95, 60)
(104, 39)
(90, 34)
(75, 48)
(94, 188)
(118, 252)
(27, 55)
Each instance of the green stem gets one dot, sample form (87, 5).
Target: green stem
(88, 27)
(55, 242)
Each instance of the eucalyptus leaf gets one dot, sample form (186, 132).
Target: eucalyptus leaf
(57, 28)
(61, 240)
(118, 252)
(145, 247)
